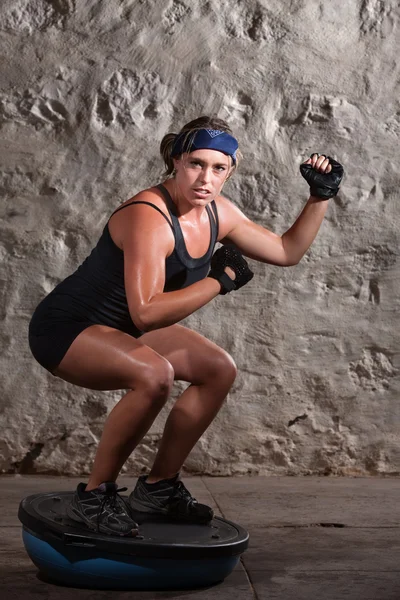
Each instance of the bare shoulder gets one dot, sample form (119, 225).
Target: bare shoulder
(140, 218)
(151, 195)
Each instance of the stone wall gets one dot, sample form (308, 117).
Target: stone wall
(88, 89)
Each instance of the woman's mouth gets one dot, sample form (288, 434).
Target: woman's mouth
(201, 192)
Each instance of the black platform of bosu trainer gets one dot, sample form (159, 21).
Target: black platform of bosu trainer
(165, 554)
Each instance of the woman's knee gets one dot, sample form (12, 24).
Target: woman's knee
(222, 366)
(156, 378)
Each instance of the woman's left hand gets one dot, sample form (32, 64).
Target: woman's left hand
(323, 174)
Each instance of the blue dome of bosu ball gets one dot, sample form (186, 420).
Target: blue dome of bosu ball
(165, 554)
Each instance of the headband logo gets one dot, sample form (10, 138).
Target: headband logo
(214, 132)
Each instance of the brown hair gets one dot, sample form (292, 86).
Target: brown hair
(203, 122)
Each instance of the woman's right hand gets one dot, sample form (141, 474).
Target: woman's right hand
(231, 273)
(228, 262)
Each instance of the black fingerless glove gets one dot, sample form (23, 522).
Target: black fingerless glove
(323, 185)
(229, 256)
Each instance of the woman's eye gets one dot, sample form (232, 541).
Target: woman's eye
(199, 164)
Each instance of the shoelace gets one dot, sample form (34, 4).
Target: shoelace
(184, 493)
(110, 497)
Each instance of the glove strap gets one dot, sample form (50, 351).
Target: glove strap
(227, 284)
(323, 193)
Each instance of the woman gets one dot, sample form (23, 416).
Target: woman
(113, 324)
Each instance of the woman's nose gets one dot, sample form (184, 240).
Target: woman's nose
(205, 175)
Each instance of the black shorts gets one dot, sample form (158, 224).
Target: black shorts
(49, 348)
(51, 333)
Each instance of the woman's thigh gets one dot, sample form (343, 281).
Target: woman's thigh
(194, 358)
(104, 358)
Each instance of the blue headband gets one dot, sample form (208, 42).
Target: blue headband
(206, 139)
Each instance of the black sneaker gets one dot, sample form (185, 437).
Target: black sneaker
(102, 510)
(169, 497)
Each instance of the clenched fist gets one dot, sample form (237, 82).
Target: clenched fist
(324, 175)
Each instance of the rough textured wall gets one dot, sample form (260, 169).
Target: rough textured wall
(88, 89)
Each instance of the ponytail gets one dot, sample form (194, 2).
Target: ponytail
(165, 150)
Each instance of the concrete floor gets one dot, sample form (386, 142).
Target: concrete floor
(310, 538)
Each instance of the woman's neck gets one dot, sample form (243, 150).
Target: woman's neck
(185, 209)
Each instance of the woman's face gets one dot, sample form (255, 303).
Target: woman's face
(201, 174)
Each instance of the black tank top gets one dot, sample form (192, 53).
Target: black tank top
(95, 292)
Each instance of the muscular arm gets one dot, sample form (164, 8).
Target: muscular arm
(171, 307)
(146, 242)
(258, 243)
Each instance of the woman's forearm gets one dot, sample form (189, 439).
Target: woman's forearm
(302, 233)
(169, 308)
